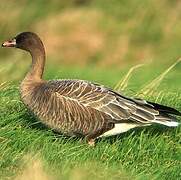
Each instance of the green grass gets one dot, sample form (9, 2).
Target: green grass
(150, 153)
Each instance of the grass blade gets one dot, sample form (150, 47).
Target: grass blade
(123, 83)
(151, 87)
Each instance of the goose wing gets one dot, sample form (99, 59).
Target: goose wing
(83, 95)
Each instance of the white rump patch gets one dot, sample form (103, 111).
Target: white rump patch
(119, 128)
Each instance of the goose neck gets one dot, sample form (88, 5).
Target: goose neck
(37, 66)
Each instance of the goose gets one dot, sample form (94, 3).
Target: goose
(79, 107)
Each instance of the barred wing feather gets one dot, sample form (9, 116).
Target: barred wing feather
(117, 107)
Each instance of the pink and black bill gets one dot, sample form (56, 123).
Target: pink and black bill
(9, 43)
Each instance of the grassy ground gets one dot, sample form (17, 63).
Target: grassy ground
(29, 149)
(97, 40)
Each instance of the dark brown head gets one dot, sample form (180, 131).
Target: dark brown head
(27, 41)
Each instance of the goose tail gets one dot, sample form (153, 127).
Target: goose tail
(168, 123)
(165, 116)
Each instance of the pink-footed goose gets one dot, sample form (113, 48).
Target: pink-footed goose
(79, 107)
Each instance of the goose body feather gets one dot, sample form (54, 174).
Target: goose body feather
(78, 107)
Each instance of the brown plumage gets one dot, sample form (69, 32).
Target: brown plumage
(82, 108)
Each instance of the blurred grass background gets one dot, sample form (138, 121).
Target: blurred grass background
(97, 40)
(98, 34)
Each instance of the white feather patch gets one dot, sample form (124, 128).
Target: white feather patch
(167, 123)
(118, 129)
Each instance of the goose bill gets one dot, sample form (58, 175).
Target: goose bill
(10, 43)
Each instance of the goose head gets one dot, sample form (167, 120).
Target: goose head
(30, 42)
(27, 41)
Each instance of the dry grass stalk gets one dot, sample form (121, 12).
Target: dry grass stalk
(151, 87)
(123, 83)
